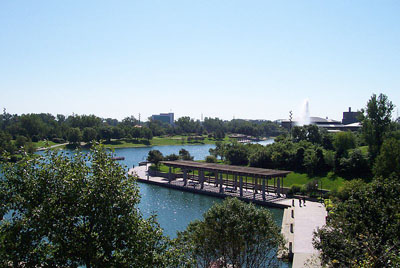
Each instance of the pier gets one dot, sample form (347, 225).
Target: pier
(298, 223)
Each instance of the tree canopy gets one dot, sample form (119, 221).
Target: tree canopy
(232, 233)
(364, 229)
(61, 210)
(376, 121)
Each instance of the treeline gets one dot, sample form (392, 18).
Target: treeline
(21, 130)
(309, 149)
(217, 127)
(313, 150)
(27, 128)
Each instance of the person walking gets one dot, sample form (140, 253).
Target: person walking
(304, 200)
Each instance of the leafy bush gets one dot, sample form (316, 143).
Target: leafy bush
(58, 140)
(171, 157)
(211, 159)
(294, 189)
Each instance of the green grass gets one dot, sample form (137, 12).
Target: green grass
(40, 144)
(329, 182)
(363, 149)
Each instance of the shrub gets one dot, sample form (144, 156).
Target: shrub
(294, 189)
(211, 159)
(58, 140)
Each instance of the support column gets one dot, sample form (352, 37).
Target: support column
(254, 187)
(216, 179)
(267, 185)
(235, 182)
(241, 186)
(201, 179)
(263, 188)
(221, 182)
(278, 186)
(184, 177)
(169, 175)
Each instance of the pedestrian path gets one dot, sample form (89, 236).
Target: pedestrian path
(298, 226)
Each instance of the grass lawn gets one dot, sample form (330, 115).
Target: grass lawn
(329, 182)
(40, 144)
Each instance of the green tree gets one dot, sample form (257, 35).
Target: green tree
(388, 160)
(237, 154)
(74, 135)
(365, 226)
(147, 134)
(68, 212)
(185, 155)
(376, 120)
(89, 134)
(155, 156)
(344, 141)
(106, 133)
(232, 233)
(20, 141)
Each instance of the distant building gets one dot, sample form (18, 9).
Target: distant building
(165, 118)
(350, 117)
(350, 122)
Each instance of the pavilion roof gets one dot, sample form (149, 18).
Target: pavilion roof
(230, 169)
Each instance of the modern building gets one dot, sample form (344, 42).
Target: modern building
(349, 122)
(350, 117)
(164, 117)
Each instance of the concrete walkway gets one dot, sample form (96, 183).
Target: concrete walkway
(306, 219)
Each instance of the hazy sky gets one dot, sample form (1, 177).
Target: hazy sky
(242, 59)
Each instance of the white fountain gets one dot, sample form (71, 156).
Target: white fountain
(305, 114)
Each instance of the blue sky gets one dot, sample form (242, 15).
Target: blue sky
(242, 59)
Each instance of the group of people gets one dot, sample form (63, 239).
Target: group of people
(304, 201)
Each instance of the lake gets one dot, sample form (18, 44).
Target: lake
(176, 209)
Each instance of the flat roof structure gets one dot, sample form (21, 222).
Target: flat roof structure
(228, 169)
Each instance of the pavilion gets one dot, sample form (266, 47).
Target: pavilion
(237, 177)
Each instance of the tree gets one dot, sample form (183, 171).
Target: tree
(155, 156)
(237, 154)
(147, 134)
(261, 159)
(185, 155)
(232, 233)
(74, 135)
(388, 160)
(89, 134)
(106, 133)
(344, 141)
(65, 211)
(376, 120)
(366, 226)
